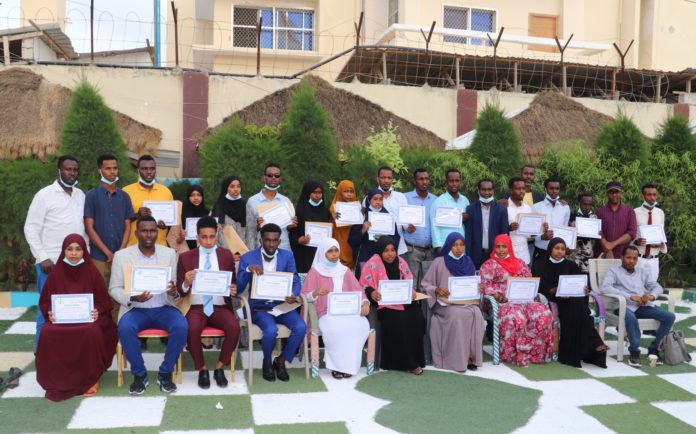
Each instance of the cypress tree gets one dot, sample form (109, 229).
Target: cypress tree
(621, 141)
(675, 136)
(496, 143)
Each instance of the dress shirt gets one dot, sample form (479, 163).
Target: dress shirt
(616, 223)
(252, 210)
(157, 300)
(658, 218)
(556, 215)
(392, 203)
(619, 281)
(196, 298)
(110, 212)
(445, 200)
(485, 223)
(270, 266)
(52, 216)
(422, 237)
(138, 195)
(519, 242)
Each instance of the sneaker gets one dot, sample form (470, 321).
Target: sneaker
(165, 383)
(634, 360)
(138, 386)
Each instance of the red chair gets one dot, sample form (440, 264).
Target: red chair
(212, 332)
(122, 362)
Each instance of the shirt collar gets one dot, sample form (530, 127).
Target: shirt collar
(155, 186)
(106, 191)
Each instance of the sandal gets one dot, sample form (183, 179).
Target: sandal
(337, 375)
(13, 378)
(602, 348)
(347, 375)
(417, 371)
(92, 390)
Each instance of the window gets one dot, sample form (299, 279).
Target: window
(463, 18)
(283, 29)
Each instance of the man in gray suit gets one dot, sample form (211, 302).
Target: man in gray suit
(147, 310)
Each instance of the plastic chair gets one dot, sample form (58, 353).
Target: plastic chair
(212, 332)
(122, 362)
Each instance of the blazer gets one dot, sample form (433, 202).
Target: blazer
(131, 255)
(189, 260)
(286, 263)
(473, 227)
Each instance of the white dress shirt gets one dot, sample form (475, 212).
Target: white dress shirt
(392, 203)
(519, 242)
(658, 218)
(557, 215)
(196, 298)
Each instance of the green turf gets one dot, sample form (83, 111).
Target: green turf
(199, 413)
(35, 414)
(418, 403)
(297, 383)
(304, 428)
(131, 430)
(29, 315)
(16, 342)
(637, 418)
(648, 389)
(677, 309)
(550, 372)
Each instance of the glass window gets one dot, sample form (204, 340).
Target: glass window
(283, 29)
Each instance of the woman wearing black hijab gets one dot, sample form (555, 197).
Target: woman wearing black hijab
(310, 208)
(360, 239)
(194, 207)
(579, 338)
(230, 209)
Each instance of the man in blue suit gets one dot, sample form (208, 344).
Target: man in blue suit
(270, 258)
(485, 220)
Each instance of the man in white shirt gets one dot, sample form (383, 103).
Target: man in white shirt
(557, 214)
(649, 214)
(55, 212)
(516, 205)
(392, 201)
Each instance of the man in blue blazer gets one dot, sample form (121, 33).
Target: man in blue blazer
(270, 258)
(485, 220)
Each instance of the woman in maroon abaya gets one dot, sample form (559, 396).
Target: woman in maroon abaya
(71, 358)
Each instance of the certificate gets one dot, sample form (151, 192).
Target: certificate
(464, 288)
(522, 289)
(448, 217)
(208, 282)
(412, 215)
(653, 234)
(395, 292)
(382, 223)
(317, 231)
(72, 308)
(572, 285)
(567, 233)
(150, 278)
(588, 227)
(530, 224)
(279, 215)
(191, 228)
(345, 303)
(167, 211)
(350, 214)
(272, 285)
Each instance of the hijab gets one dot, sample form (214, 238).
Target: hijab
(234, 209)
(307, 212)
(463, 266)
(320, 263)
(341, 233)
(552, 244)
(370, 195)
(191, 210)
(510, 264)
(392, 269)
(549, 272)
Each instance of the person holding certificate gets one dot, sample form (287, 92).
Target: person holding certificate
(557, 214)
(456, 330)
(526, 329)
(269, 258)
(579, 341)
(344, 331)
(449, 200)
(230, 210)
(486, 220)
(402, 325)
(71, 358)
(192, 208)
(649, 214)
(361, 240)
(310, 208)
(200, 284)
(345, 192)
(584, 246)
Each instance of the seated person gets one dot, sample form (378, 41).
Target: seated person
(140, 312)
(71, 358)
(270, 258)
(344, 335)
(206, 310)
(640, 292)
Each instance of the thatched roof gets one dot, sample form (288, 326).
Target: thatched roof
(554, 118)
(32, 116)
(352, 117)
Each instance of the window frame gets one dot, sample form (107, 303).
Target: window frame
(275, 28)
(469, 10)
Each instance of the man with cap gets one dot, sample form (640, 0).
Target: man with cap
(618, 222)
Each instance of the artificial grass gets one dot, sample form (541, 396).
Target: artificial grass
(648, 389)
(199, 413)
(297, 383)
(16, 342)
(445, 402)
(637, 418)
(550, 372)
(35, 414)
(130, 430)
(303, 428)
(677, 309)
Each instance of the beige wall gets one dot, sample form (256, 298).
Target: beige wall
(674, 35)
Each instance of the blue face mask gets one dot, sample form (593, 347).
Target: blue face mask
(209, 251)
(106, 181)
(648, 206)
(311, 202)
(553, 199)
(80, 262)
(267, 187)
(329, 263)
(228, 197)
(556, 261)
(271, 257)
(65, 184)
(486, 199)
(453, 256)
(148, 184)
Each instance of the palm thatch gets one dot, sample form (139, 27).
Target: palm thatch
(352, 117)
(32, 118)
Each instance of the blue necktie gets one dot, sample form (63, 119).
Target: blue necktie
(207, 299)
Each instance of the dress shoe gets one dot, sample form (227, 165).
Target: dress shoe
(219, 376)
(268, 372)
(280, 370)
(204, 379)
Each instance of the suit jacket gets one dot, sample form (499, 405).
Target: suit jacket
(189, 260)
(286, 263)
(131, 255)
(473, 238)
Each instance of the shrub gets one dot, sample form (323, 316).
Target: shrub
(496, 143)
(674, 135)
(179, 188)
(620, 142)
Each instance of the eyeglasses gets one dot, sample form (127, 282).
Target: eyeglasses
(273, 175)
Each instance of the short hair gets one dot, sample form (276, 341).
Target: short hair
(145, 218)
(385, 168)
(629, 247)
(64, 158)
(417, 171)
(550, 180)
(585, 194)
(270, 228)
(512, 181)
(105, 157)
(276, 165)
(452, 171)
(642, 189)
(478, 186)
(146, 157)
(530, 165)
(206, 222)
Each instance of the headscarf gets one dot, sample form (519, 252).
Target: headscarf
(234, 209)
(552, 244)
(510, 264)
(370, 195)
(337, 272)
(190, 210)
(463, 266)
(549, 272)
(305, 211)
(392, 269)
(342, 233)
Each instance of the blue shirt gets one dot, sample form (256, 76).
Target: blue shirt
(110, 212)
(445, 200)
(422, 236)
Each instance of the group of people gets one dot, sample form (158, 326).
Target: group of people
(89, 243)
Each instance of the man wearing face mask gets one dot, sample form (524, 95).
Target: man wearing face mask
(147, 189)
(557, 214)
(649, 214)
(487, 219)
(55, 212)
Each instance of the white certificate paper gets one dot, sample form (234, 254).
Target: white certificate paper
(382, 223)
(463, 288)
(588, 227)
(395, 292)
(572, 285)
(567, 233)
(522, 290)
(350, 213)
(317, 231)
(167, 211)
(208, 282)
(653, 234)
(272, 286)
(72, 308)
(412, 215)
(279, 215)
(191, 229)
(344, 303)
(448, 217)
(530, 224)
(153, 279)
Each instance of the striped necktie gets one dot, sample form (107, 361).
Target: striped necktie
(207, 299)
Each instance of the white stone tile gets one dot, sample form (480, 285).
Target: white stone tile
(575, 393)
(11, 313)
(257, 357)
(551, 419)
(22, 328)
(189, 385)
(28, 388)
(122, 412)
(152, 362)
(686, 381)
(684, 411)
(212, 431)
(614, 369)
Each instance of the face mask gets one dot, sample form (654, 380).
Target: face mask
(486, 199)
(647, 205)
(373, 209)
(581, 213)
(209, 251)
(106, 181)
(311, 202)
(271, 257)
(148, 184)
(80, 262)
(267, 187)
(386, 191)
(453, 256)
(329, 263)
(228, 197)
(65, 184)
(553, 199)
(555, 261)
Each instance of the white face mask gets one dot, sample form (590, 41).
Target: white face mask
(228, 197)
(486, 199)
(106, 181)
(65, 184)
(311, 202)
(149, 184)
(647, 205)
(267, 187)
(553, 199)
(81, 261)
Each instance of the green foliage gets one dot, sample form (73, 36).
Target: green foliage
(179, 188)
(621, 142)
(89, 130)
(675, 136)
(496, 143)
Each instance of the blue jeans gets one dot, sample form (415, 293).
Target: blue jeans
(165, 318)
(40, 320)
(267, 324)
(665, 318)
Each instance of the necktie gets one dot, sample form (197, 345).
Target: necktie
(207, 299)
(647, 247)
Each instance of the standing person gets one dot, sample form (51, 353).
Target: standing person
(268, 196)
(205, 310)
(310, 208)
(345, 192)
(361, 240)
(392, 201)
(419, 240)
(193, 207)
(530, 197)
(71, 358)
(56, 211)
(146, 189)
(230, 209)
(451, 198)
(485, 220)
(649, 214)
(515, 206)
(584, 247)
(618, 222)
(557, 214)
